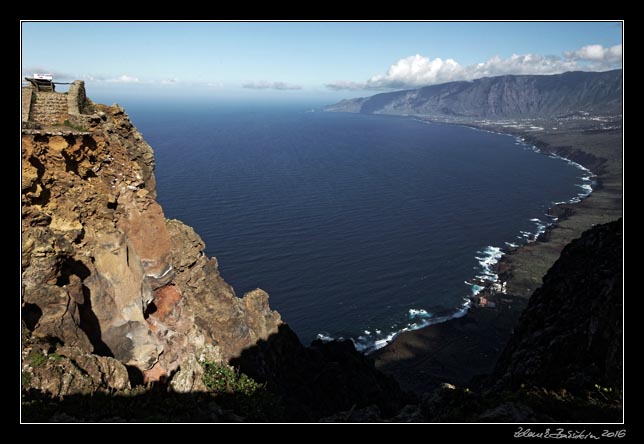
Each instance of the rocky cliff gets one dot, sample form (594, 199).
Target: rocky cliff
(570, 335)
(115, 295)
(103, 270)
(509, 96)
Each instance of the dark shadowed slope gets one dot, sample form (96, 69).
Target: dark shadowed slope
(570, 335)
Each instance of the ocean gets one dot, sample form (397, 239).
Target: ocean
(357, 226)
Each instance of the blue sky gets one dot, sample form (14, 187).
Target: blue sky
(325, 61)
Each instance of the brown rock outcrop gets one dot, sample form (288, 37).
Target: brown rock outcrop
(71, 371)
(143, 223)
(232, 323)
(84, 281)
(97, 258)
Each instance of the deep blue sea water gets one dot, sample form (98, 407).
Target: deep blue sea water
(357, 226)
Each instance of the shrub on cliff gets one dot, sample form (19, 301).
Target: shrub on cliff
(241, 393)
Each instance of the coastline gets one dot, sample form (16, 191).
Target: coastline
(467, 346)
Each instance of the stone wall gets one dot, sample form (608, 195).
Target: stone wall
(27, 92)
(76, 98)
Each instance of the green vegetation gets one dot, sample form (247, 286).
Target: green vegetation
(219, 378)
(606, 394)
(222, 378)
(25, 379)
(241, 393)
(71, 125)
(38, 359)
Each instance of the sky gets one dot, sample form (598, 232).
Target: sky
(321, 61)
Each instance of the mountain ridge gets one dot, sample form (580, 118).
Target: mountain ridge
(507, 96)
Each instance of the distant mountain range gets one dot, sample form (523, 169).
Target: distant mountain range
(509, 96)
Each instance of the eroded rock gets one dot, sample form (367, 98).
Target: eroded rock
(88, 266)
(71, 371)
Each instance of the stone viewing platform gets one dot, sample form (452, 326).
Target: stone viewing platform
(45, 111)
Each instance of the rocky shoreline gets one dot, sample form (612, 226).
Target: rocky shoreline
(462, 349)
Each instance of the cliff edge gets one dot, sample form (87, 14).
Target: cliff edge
(104, 271)
(113, 294)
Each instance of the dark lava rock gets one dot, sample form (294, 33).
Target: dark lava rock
(570, 335)
(320, 380)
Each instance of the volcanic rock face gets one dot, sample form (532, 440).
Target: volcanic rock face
(570, 335)
(73, 371)
(98, 257)
(322, 379)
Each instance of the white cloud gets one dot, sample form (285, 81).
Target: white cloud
(168, 81)
(520, 64)
(123, 79)
(345, 85)
(597, 53)
(416, 71)
(91, 77)
(282, 86)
